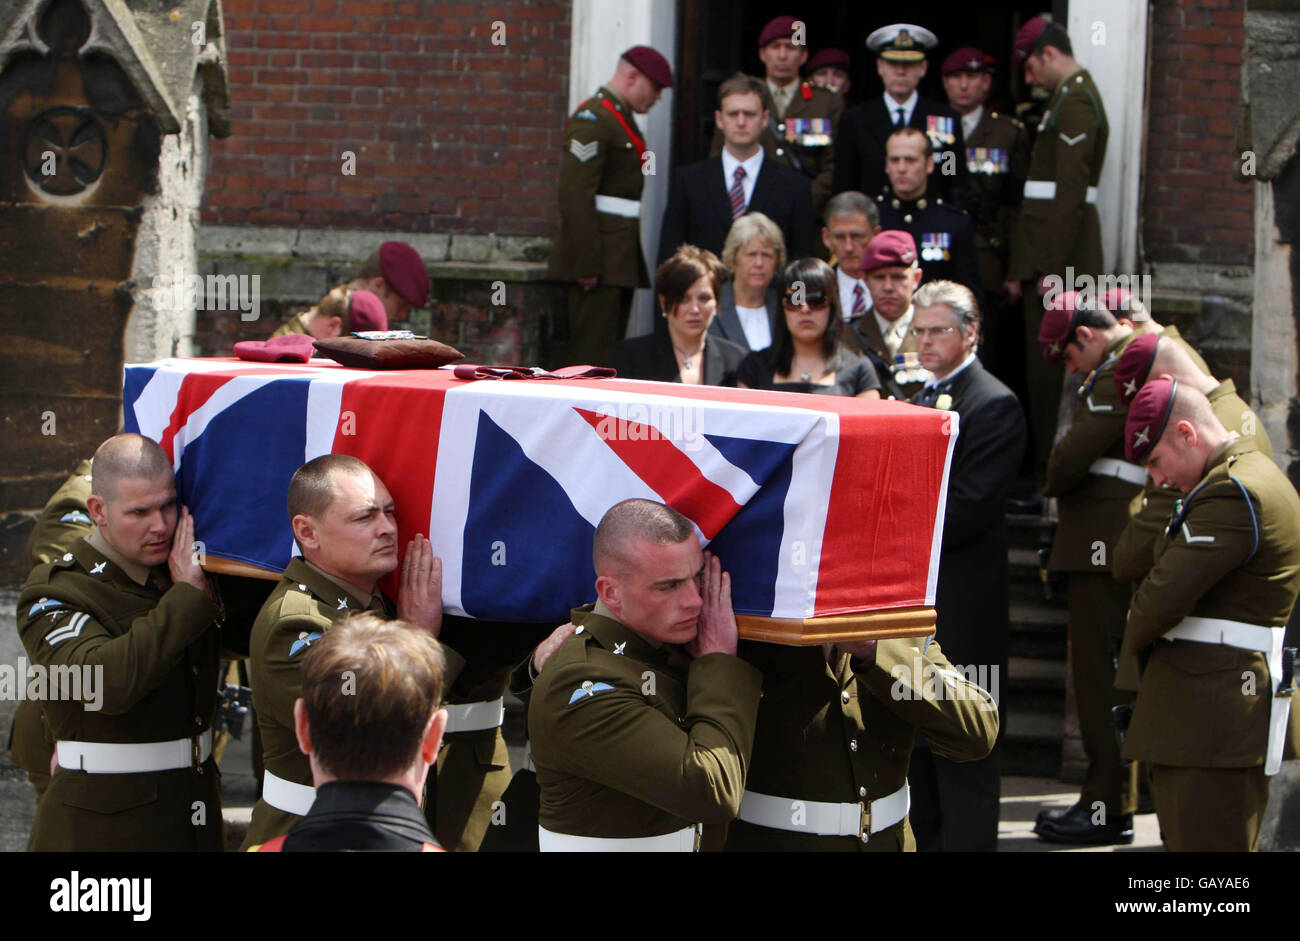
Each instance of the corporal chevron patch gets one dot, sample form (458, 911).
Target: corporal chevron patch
(72, 628)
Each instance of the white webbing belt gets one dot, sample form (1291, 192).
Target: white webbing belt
(618, 206)
(475, 716)
(287, 796)
(685, 840)
(1046, 189)
(1266, 640)
(824, 818)
(135, 757)
(1124, 470)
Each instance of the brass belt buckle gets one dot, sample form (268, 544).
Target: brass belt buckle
(864, 823)
(699, 832)
(195, 754)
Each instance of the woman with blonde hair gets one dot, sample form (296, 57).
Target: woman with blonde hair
(748, 306)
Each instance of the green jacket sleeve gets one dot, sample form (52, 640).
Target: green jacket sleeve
(135, 662)
(582, 165)
(1097, 427)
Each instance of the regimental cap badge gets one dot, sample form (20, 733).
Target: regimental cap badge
(904, 40)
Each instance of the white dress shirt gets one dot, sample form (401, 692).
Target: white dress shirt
(970, 121)
(757, 326)
(846, 293)
(908, 107)
(894, 333)
(752, 166)
(935, 380)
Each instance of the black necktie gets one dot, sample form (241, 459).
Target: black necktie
(930, 394)
(898, 121)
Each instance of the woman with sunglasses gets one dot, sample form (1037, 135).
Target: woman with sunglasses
(688, 283)
(808, 353)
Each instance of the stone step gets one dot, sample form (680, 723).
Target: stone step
(1031, 742)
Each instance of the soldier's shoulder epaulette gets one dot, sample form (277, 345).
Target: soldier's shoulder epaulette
(1015, 122)
(297, 601)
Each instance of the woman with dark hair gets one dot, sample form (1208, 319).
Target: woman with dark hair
(808, 353)
(688, 283)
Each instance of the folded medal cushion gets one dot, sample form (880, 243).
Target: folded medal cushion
(393, 349)
(292, 348)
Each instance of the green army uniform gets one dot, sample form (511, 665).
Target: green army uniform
(903, 369)
(1058, 227)
(294, 324)
(474, 765)
(1151, 510)
(997, 159)
(633, 740)
(157, 646)
(803, 137)
(1093, 506)
(1232, 554)
(303, 605)
(842, 733)
(62, 523)
(601, 181)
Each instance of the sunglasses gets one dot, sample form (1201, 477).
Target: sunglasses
(812, 299)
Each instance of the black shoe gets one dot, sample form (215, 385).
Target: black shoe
(1075, 827)
(1053, 814)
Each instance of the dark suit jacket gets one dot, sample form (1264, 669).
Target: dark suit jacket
(699, 210)
(972, 596)
(860, 150)
(651, 357)
(727, 323)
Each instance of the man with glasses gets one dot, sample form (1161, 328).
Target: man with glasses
(955, 804)
(852, 221)
(883, 333)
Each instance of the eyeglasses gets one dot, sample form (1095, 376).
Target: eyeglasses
(812, 299)
(919, 332)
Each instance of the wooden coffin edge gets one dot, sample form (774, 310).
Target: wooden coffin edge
(222, 566)
(866, 625)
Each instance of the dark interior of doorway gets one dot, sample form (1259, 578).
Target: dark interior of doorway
(717, 38)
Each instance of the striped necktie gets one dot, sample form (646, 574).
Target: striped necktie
(859, 301)
(737, 194)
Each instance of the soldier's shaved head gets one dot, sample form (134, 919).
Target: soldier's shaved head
(630, 521)
(1172, 359)
(126, 456)
(311, 489)
(1192, 405)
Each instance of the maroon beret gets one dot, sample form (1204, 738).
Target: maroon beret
(405, 272)
(966, 59)
(1135, 365)
(780, 28)
(366, 312)
(892, 248)
(1122, 303)
(1147, 417)
(290, 348)
(1028, 37)
(829, 58)
(651, 64)
(1057, 328)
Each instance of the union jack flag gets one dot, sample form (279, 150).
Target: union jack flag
(816, 505)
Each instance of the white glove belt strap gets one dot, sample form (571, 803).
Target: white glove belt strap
(823, 818)
(1265, 640)
(617, 206)
(1113, 467)
(286, 795)
(135, 757)
(475, 716)
(685, 840)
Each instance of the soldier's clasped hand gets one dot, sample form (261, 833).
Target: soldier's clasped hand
(718, 631)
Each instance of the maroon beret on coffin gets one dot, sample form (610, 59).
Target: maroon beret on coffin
(1135, 365)
(654, 66)
(1147, 418)
(405, 272)
(890, 249)
(1028, 37)
(290, 348)
(366, 312)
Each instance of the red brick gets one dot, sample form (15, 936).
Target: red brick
(1228, 54)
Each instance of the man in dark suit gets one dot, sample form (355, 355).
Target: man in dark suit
(884, 333)
(955, 806)
(860, 145)
(707, 197)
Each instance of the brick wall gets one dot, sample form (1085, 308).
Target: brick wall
(1194, 210)
(451, 133)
